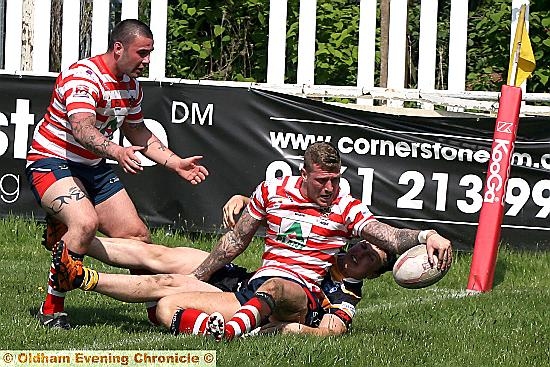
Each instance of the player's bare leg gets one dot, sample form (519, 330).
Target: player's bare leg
(71, 274)
(118, 217)
(157, 259)
(282, 299)
(67, 201)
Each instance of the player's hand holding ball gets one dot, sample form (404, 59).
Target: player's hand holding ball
(424, 264)
(413, 270)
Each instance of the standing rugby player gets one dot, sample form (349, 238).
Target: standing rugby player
(66, 165)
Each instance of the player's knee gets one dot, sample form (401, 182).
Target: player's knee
(137, 232)
(165, 311)
(85, 229)
(274, 287)
(141, 231)
(143, 235)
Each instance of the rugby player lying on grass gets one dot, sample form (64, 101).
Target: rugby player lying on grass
(186, 303)
(362, 261)
(308, 221)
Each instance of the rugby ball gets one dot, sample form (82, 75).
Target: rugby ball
(412, 269)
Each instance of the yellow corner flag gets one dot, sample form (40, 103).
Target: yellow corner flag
(522, 61)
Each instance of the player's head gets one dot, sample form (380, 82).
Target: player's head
(131, 43)
(365, 260)
(321, 173)
(127, 30)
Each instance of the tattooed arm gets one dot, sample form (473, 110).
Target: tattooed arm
(391, 239)
(187, 168)
(399, 240)
(154, 149)
(229, 246)
(85, 132)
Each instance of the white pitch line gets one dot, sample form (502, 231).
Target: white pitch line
(445, 294)
(462, 223)
(122, 343)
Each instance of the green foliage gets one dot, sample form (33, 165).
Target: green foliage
(393, 326)
(539, 31)
(228, 41)
(336, 46)
(489, 45)
(223, 41)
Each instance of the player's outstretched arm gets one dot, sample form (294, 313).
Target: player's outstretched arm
(330, 325)
(231, 245)
(399, 240)
(187, 168)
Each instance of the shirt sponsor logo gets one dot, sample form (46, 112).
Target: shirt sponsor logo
(81, 91)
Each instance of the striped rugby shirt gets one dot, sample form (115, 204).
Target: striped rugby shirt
(87, 86)
(301, 239)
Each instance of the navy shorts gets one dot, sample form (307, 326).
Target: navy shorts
(230, 278)
(314, 310)
(100, 181)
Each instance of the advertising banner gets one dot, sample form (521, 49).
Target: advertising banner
(415, 172)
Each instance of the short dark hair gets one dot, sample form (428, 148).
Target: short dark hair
(323, 154)
(125, 31)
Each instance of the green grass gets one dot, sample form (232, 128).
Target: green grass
(437, 326)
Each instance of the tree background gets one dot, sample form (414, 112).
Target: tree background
(227, 40)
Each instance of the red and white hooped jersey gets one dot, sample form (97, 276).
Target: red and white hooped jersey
(87, 86)
(301, 238)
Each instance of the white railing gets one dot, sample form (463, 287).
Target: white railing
(70, 41)
(365, 90)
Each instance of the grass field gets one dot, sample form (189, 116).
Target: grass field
(436, 326)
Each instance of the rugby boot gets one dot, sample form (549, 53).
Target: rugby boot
(58, 320)
(53, 232)
(70, 273)
(215, 326)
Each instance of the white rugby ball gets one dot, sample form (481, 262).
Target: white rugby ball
(412, 269)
